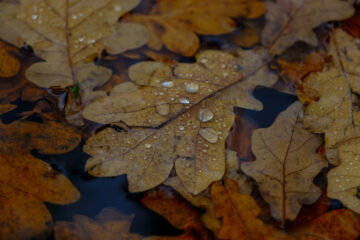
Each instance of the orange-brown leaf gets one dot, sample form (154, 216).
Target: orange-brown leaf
(9, 65)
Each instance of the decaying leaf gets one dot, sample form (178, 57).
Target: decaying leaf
(169, 90)
(344, 180)
(108, 224)
(286, 163)
(176, 210)
(65, 33)
(6, 108)
(194, 142)
(239, 213)
(173, 23)
(9, 65)
(27, 182)
(286, 18)
(332, 95)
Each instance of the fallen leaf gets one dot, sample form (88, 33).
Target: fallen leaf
(180, 213)
(244, 37)
(352, 25)
(168, 90)
(9, 64)
(286, 18)
(64, 34)
(173, 23)
(331, 95)
(286, 163)
(6, 108)
(343, 181)
(239, 214)
(27, 181)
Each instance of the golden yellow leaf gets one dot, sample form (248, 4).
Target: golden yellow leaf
(331, 95)
(9, 65)
(286, 163)
(173, 23)
(27, 182)
(289, 21)
(344, 180)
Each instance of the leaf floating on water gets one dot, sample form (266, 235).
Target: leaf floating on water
(27, 181)
(286, 18)
(173, 23)
(286, 164)
(9, 65)
(148, 155)
(164, 83)
(331, 95)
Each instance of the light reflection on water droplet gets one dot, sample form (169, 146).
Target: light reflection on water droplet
(167, 84)
(184, 101)
(192, 87)
(205, 115)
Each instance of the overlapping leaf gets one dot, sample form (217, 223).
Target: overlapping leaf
(286, 18)
(286, 164)
(331, 95)
(9, 65)
(27, 182)
(174, 23)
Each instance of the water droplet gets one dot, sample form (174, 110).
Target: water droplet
(74, 17)
(117, 8)
(205, 115)
(204, 60)
(192, 87)
(81, 39)
(209, 134)
(167, 84)
(163, 108)
(184, 101)
(172, 99)
(148, 145)
(181, 128)
(337, 180)
(223, 65)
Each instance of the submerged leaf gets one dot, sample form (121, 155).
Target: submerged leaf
(286, 163)
(286, 18)
(331, 95)
(173, 23)
(27, 182)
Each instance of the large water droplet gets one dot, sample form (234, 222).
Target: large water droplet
(209, 135)
(148, 145)
(205, 115)
(167, 84)
(163, 108)
(192, 87)
(184, 101)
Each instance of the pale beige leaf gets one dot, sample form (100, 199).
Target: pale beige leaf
(195, 146)
(179, 87)
(289, 21)
(286, 163)
(331, 107)
(344, 180)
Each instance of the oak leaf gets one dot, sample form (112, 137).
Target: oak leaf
(174, 23)
(9, 64)
(285, 21)
(66, 33)
(331, 95)
(286, 163)
(27, 182)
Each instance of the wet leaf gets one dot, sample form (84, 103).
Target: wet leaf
(171, 89)
(64, 34)
(286, 18)
(9, 65)
(331, 95)
(174, 23)
(28, 182)
(343, 181)
(176, 210)
(6, 108)
(286, 163)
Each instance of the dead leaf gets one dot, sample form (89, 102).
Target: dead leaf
(109, 224)
(286, 163)
(352, 25)
(171, 89)
(173, 23)
(65, 34)
(245, 37)
(23, 213)
(286, 18)
(343, 181)
(4, 108)
(331, 95)
(9, 64)
(176, 210)
(239, 214)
